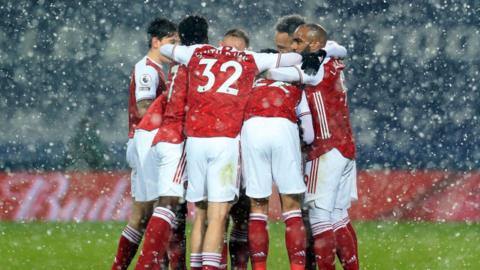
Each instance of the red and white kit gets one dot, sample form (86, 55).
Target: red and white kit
(220, 80)
(166, 162)
(327, 100)
(147, 82)
(331, 168)
(270, 139)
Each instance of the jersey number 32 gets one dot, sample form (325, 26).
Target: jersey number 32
(225, 87)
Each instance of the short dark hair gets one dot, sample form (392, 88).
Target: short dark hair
(193, 30)
(268, 50)
(288, 24)
(238, 33)
(160, 28)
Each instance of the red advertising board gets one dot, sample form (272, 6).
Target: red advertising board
(97, 196)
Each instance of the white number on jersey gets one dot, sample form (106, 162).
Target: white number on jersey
(174, 72)
(225, 87)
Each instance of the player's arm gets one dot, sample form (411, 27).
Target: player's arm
(146, 83)
(312, 60)
(305, 118)
(178, 53)
(142, 106)
(333, 49)
(295, 74)
(267, 61)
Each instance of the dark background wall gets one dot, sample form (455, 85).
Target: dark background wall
(412, 75)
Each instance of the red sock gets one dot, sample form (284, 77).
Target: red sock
(345, 247)
(295, 238)
(325, 250)
(177, 245)
(127, 247)
(258, 240)
(354, 236)
(157, 236)
(238, 247)
(224, 260)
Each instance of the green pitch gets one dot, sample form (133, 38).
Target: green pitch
(382, 245)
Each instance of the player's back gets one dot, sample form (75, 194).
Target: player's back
(271, 98)
(331, 121)
(147, 82)
(220, 80)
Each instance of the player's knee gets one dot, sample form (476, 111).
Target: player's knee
(171, 203)
(217, 217)
(138, 221)
(259, 205)
(290, 202)
(218, 212)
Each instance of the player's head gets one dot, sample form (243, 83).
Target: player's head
(193, 30)
(236, 38)
(309, 37)
(284, 30)
(161, 31)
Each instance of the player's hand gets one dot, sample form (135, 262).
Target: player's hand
(312, 61)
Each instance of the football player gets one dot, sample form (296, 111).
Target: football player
(331, 169)
(220, 80)
(147, 84)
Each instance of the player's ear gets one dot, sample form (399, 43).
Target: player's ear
(155, 42)
(221, 44)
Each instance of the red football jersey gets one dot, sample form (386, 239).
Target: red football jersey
(328, 104)
(147, 82)
(171, 129)
(220, 80)
(271, 98)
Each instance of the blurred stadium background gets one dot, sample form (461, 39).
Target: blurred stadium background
(413, 80)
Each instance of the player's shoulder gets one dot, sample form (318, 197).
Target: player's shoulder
(331, 65)
(201, 47)
(147, 66)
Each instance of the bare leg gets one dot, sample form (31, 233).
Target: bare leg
(217, 214)
(199, 227)
(141, 213)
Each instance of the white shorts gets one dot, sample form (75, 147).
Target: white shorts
(331, 181)
(271, 152)
(164, 171)
(142, 145)
(130, 155)
(212, 167)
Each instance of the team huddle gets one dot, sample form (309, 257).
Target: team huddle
(224, 126)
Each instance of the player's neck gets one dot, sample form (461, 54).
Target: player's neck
(154, 54)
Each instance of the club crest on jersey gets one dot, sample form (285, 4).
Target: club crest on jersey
(145, 79)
